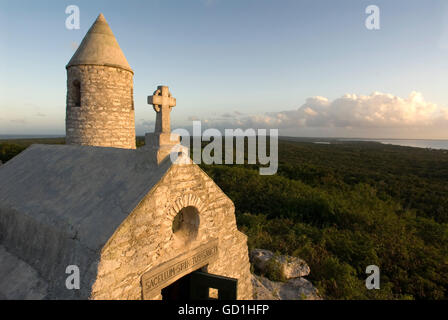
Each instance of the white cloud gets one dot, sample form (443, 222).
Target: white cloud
(351, 113)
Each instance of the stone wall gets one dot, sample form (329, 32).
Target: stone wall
(145, 239)
(105, 116)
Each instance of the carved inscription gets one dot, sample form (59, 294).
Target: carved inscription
(165, 274)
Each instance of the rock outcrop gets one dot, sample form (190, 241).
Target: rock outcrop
(277, 267)
(265, 262)
(293, 289)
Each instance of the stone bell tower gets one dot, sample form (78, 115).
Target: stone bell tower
(100, 103)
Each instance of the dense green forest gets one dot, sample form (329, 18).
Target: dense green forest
(342, 207)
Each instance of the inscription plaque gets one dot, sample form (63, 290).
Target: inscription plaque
(168, 272)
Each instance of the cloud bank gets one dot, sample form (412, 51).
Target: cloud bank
(351, 112)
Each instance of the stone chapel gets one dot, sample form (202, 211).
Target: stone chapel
(99, 219)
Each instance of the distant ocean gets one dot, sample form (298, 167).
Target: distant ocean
(29, 136)
(418, 143)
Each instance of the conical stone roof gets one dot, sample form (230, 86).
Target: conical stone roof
(99, 47)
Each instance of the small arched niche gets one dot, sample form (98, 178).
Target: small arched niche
(76, 93)
(186, 224)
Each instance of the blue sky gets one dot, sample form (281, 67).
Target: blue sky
(242, 62)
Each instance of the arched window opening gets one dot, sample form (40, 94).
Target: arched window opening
(186, 223)
(76, 93)
(132, 98)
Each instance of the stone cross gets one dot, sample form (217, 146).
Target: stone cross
(162, 102)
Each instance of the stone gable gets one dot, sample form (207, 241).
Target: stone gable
(145, 239)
